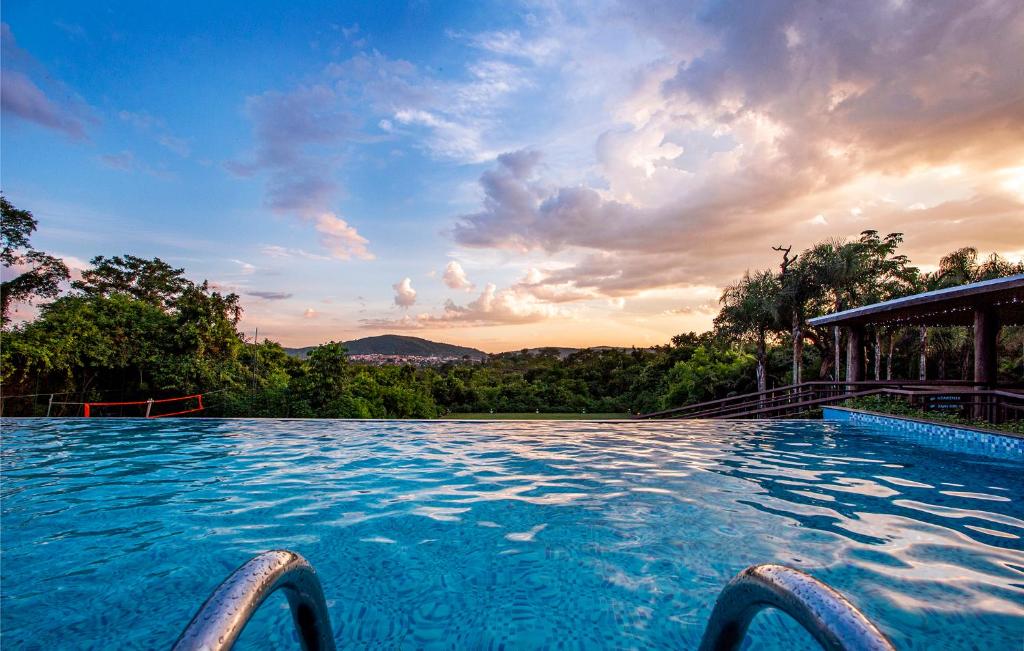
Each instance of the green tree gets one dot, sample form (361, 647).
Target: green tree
(887, 275)
(799, 295)
(37, 274)
(751, 310)
(708, 374)
(839, 268)
(153, 281)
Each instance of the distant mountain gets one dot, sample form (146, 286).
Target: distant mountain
(561, 351)
(398, 345)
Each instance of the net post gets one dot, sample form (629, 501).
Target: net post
(149, 406)
(85, 410)
(49, 406)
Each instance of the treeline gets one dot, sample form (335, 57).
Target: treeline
(133, 329)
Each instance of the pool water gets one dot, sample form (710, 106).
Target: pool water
(501, 534)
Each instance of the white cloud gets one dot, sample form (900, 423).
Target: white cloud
(342, 240)
(736, 130)
(246, 269)
(513, 305)
(405, 295)
(455, 276)
(276, 251)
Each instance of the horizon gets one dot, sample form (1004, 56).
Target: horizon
(508, 176)
(453, 343)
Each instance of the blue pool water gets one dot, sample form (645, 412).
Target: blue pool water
(500, 534)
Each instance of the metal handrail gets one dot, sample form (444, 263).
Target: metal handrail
(800, 397)
(833, 621)
(223, 616)
(827, 386)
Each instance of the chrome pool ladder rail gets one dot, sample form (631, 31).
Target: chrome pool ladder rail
(833, 621)
(223, 616)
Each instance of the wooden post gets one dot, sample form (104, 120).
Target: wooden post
(149, 407)
(854, 355)
(835, 334)
(922, 373)
(986, 332)
(49, 406)
(878, 353)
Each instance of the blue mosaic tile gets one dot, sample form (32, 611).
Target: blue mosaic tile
(948, 437)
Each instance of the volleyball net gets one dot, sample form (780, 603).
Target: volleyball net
(161, 408)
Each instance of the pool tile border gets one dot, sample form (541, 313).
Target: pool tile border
(952, 437)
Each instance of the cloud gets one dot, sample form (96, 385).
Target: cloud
(123, 160)
(459, 117)
(341, 239)
(405, 295)
(276, 251)
(126, 161)
(294, 132)
(288, 128)
(310, 313)
(513, 44)
(22, 98)
(271, 296)
(158, 128)
(547, 287)
(510, 306)
(455, 276)
(728, 138)
(245, 268)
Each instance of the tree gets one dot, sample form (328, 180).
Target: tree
(327, 374)
(797, 295)
(886, 276)
(708, 374)
(961, 267)
(40, 274)
(750, 309)
(153, 281)
(839, 268)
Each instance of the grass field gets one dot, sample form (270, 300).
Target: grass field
(535, 416)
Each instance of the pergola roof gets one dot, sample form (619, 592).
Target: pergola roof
(942, 307)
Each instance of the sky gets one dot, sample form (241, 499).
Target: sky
(507, 175)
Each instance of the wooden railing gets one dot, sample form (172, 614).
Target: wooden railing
(948, 396)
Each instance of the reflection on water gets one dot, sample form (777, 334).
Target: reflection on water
(527, 534)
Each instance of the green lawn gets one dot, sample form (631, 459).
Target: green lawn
(535, 416)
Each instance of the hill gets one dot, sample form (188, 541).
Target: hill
(561, 351)
(399, 345)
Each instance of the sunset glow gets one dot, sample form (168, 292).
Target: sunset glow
(503, 176)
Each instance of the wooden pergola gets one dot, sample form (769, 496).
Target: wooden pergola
(987, 306)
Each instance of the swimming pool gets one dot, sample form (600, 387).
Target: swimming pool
(491, 534)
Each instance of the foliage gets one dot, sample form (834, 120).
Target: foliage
(153, 281)
(38, 274)
(133, 329)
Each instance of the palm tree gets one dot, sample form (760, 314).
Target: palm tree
(959, 268)
(886, 276)
(838, 267)
(750, 309)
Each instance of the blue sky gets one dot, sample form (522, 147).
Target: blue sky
(506, 174)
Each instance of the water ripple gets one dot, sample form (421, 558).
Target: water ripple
(522, 534)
